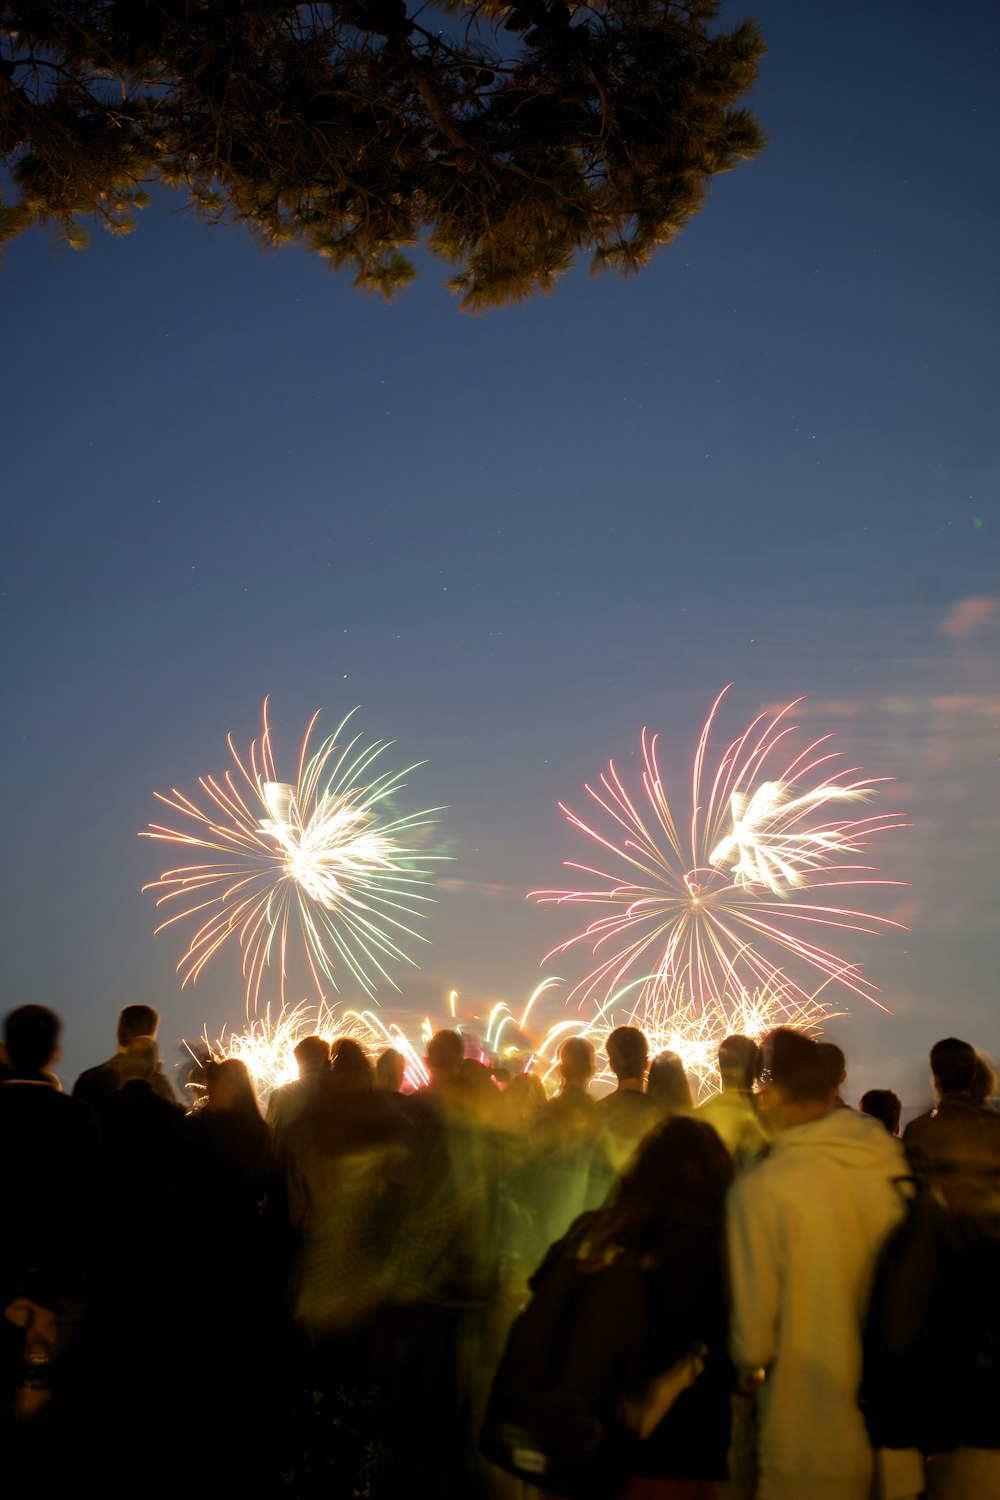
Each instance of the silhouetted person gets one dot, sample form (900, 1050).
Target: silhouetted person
(733, 1112)
(344, 1167)
(667, 1085)
(574, 1167)
(137, 1245)
(806, 1224)
(984, 1082)
(632, 1340)
(48, 1145)
(627, 1113)
(312, 1058)
(443, 1061)
(836, 1064)
(450, 1269)
(226, 1300)
(95, 1084)
(139, 1130)
(956, 1144)
(524, 1201)
(883, 1105)
(390, 1070)
(576, 1068)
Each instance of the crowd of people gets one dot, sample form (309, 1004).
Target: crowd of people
(473, 1289)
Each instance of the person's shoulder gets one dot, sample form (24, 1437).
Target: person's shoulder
(570, 1102)
(36, 1105)
(94, 1084)
(625, 1100)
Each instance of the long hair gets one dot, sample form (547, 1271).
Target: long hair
(667, 1083)
(680, 1175)
(228, 1080)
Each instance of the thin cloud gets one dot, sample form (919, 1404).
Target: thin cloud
(971, 614)
(485, 889)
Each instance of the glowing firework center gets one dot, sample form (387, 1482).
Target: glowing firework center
(335, 842)
(321, 866)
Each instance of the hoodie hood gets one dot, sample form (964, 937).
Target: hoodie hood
(852, 1140)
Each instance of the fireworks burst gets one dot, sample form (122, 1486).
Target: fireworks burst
(698, 917)
(323, 860)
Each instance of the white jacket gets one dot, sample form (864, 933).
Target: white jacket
(805, 1227)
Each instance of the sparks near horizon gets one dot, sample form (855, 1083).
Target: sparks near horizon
(324, 862)
(672, 1022)
(267, 1047)
(700, 916)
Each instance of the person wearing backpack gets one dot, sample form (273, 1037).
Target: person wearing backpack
(616, 1380)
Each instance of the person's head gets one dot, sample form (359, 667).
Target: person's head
(229, 1088)
(795, 1078)
(984, 1081)
(738, 1060)
(884, 1105)
(628, 1054)
(390, 1070)
(953, 1066)
(139, 1058)
(667, 1084)
(31, 1037)
(445, 1052)
(350, 1070)
(522, 1101)
(137, 1020)
(576, 1061)
(679, 1175)
(836, 1065)
(312, 1056)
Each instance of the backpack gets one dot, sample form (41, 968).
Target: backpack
(932, 1335)
(571, 1355)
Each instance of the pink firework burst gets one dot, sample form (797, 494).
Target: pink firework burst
(742, 901)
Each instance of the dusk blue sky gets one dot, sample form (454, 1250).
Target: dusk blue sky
(772, 459)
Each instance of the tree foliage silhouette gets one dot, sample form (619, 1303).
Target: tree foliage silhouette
(509, 136)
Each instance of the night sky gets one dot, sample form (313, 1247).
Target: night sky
(772, 459)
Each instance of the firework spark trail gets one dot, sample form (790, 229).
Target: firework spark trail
(323, 858)
(672, 1022)
(268, 1047)
(373, 1032)
(704, 912)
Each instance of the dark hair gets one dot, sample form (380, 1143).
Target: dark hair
(576, 1059)
(31, 1036)
(137, 1020)
(836, 1063)
(390, 1069)
(312, 1054)
(984, 1080)
(884, 1105)
(738, 1059)
(628, 1053)
(234, 1072)
(794, 1063)
(679, 1175)
(522, 1101)
(953, 1064)
(667, 1083)
(349, 1067)
(445, 1051)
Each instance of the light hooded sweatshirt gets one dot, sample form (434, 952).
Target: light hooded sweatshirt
(805, 1228)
